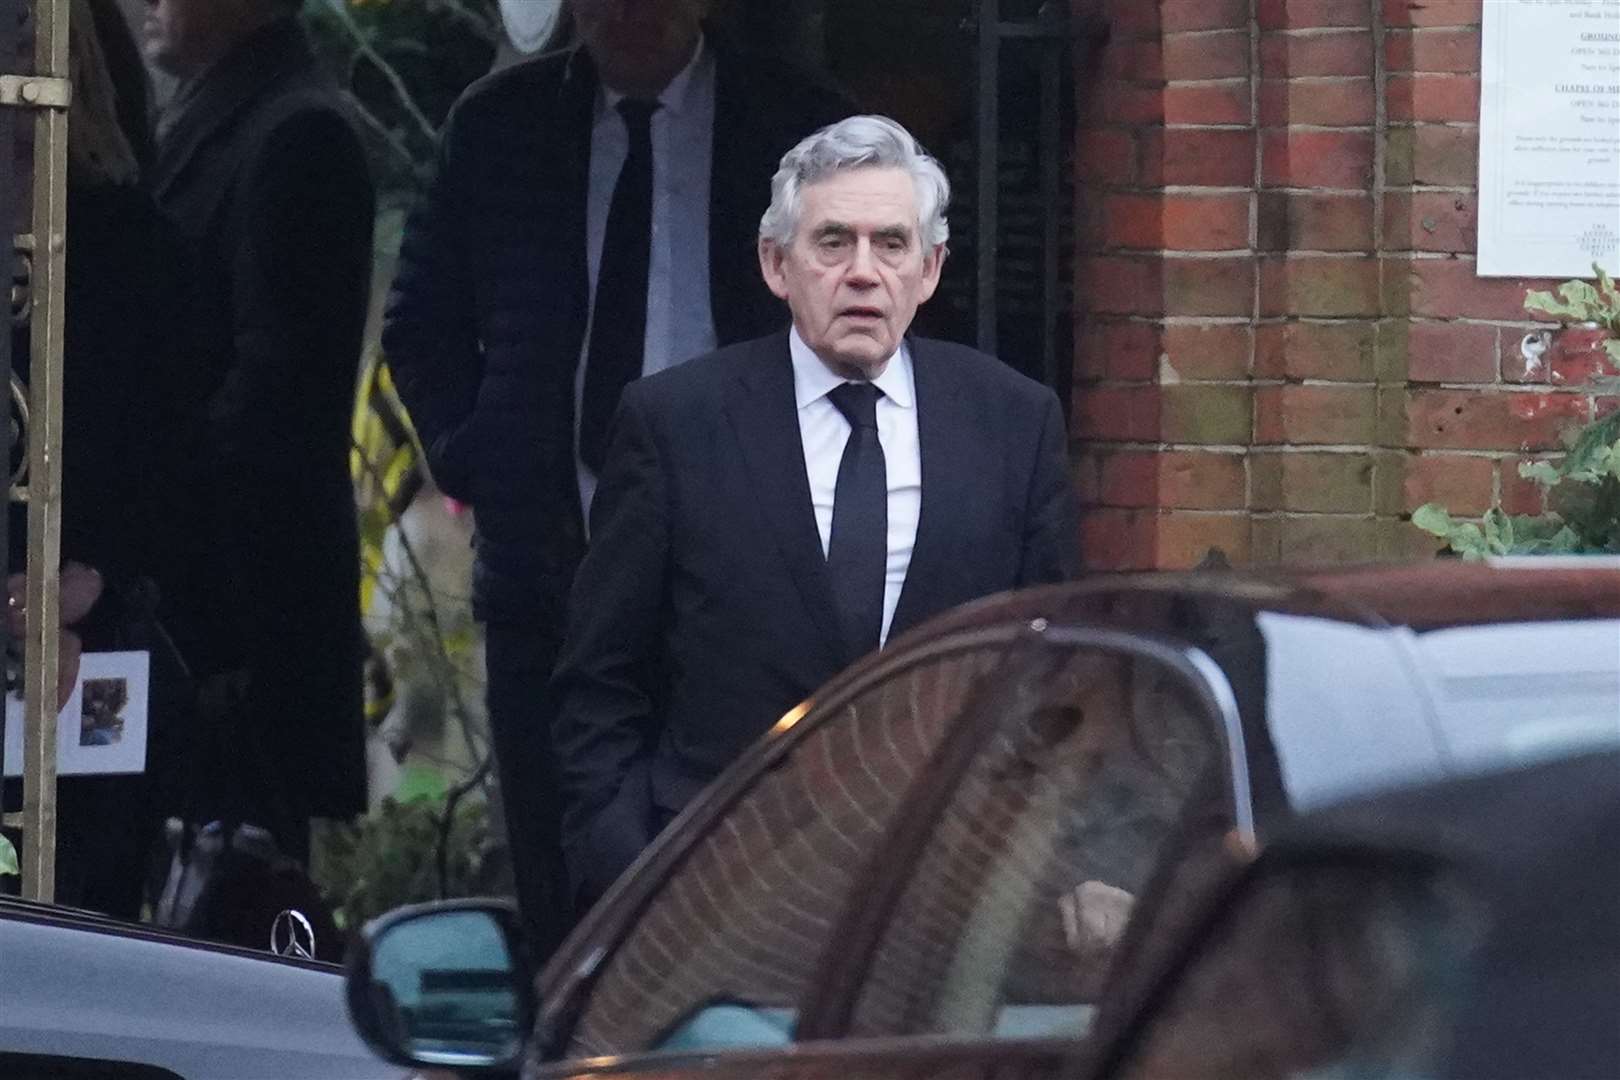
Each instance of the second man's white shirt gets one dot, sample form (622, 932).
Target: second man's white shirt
(680, 320)
(824, 431)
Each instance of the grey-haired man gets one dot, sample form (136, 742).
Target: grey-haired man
(773, 511)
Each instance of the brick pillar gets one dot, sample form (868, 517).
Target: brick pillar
(1282, 346)
(1163, 405)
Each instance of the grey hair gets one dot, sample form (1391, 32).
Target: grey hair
(854, 143)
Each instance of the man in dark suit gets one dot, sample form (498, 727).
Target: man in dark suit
(775, 510)
(260, 168)
(591, 221)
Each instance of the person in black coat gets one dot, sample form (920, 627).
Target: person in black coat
(261, 168)
(592, 220)
(777, 509)
(132, 412)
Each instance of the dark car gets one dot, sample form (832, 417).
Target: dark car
(943, 848)
(1466, 930)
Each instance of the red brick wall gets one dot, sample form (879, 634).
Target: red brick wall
(1282, 345)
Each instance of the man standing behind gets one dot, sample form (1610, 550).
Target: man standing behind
(259, 166)
(591, 221)
(775, 510)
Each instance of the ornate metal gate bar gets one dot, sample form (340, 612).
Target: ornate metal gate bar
(44, 95)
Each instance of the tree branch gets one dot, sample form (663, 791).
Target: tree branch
(363, 46)
(490, 32)
(395, 144)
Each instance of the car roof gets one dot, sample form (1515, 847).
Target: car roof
(1351, 678)
(1421, 596)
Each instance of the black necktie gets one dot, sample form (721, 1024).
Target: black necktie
(858, 552)
(619, 317)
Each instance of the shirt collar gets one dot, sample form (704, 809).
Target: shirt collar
(677, 96)
(814, 380)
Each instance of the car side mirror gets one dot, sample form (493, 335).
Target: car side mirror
(445, 984)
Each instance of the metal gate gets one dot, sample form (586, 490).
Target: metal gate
(37, 97)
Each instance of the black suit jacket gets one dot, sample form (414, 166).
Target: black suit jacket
(265, 176)
(703, 610)
(487, 315)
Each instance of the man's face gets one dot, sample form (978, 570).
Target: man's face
(638, 45)
(857, 268)
(184, 36)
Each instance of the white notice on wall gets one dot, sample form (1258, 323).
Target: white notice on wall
(1549, 138)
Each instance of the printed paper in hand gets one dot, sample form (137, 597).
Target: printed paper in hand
(102, 728)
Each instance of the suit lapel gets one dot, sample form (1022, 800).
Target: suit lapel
(761, 407)
(945, 423)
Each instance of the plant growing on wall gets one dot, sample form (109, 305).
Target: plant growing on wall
(1583, 487)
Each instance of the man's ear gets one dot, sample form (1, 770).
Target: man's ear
(771, 255)
(933, 263)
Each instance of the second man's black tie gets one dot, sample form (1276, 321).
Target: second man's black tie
(858, 551)
(619, 315)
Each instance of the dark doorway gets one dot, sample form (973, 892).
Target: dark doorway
(919, 61)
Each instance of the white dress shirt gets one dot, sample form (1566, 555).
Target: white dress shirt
(680, 322)
(824, 432)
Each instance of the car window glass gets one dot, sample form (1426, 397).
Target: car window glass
(447, 980)
(1315, 968)
(725, 950)
(1011, 916)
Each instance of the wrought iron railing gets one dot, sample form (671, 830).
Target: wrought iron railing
(39, 98)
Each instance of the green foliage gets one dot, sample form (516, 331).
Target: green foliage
(1498, 533)
(1581, 302)
(1583, 493)
(404, 63)
(1582, 488)
(389, 857)
(8, 859)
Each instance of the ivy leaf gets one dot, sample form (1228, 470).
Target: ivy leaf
(1609, 297)
(1593, 439)
(1498, 531)
(1432, 518)
(1469, 542)
(1564, 542)
(1545, 303)
(1583, 298)
(1576, 302)
(8, 859)
(1544, 473)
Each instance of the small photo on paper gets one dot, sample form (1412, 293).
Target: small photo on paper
(101, 717)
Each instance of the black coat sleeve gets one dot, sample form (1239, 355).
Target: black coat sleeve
(1051, 522)
(606, 682)
(300, 264)
(430, 335)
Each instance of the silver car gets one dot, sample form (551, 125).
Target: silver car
(83, 996)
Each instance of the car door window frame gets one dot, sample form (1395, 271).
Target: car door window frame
(829, 1010)
(570, 977)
